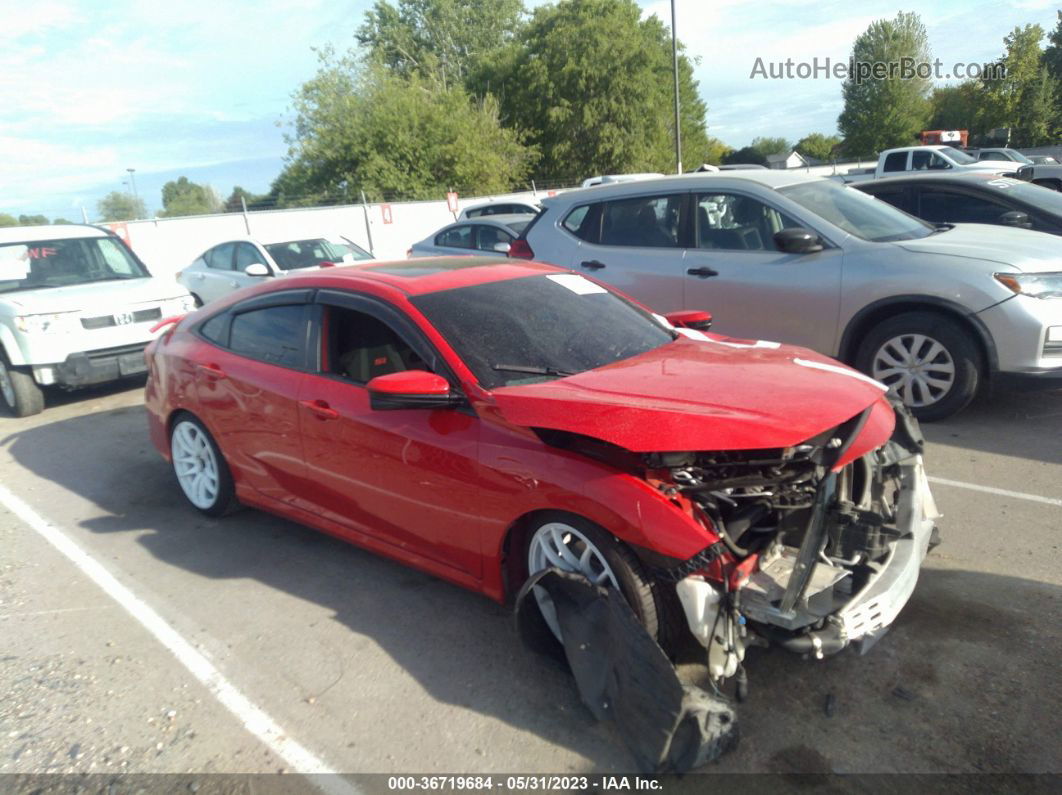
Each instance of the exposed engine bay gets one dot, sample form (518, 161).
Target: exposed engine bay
(811, 556)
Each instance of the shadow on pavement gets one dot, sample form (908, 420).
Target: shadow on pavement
(963, 682)
(1019, 424)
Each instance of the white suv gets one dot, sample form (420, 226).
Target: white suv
(76, 308)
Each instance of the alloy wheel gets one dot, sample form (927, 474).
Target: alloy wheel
(915, 367)
(561, 546)
(195, 464)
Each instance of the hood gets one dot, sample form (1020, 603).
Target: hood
(995, 166)
(1022, 248)
(102, 296)
(701, 392)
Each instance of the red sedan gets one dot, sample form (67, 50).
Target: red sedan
(484, 419)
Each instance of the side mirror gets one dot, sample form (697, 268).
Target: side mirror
(257, 269)
(502, 248)
(797, 240)
(411, 389)
(1016, 218)
(690, 318)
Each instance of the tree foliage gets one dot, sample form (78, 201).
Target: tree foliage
(32, 220)
(592, 85)
(184, 197)
(118, 206)
(957, 107)
(8, 220)
(361, 126)
(440, 40)
(254, 201)
(883, 112)
(744, 156)
(771, 146)
(61, 220)
(818, 146)
(1024, 99)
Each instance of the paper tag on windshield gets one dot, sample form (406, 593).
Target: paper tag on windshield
(576, 283)
(14, 262)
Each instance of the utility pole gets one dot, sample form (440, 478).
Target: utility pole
(132, 179)
(674, 56)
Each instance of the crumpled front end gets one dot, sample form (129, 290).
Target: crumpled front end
(818, 549)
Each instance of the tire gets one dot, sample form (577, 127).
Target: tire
(624, 569)
(198, 301)
(903, 351)
(19, 393)
(200, 468)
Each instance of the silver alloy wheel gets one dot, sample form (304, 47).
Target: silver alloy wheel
(7, 389)
(560, 545)
(916, 367)
(195, 464)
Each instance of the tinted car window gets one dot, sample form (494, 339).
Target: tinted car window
(645, 221)
(489, 236)
(943, 206)
(897, 161)
(855, 212)
(220, 257)
(894, 196)
(275, 334)
(216, 329)
(458, 237)
(578, 222)
(560, 323)
(360, 347)
(246, 254)
(738, 223)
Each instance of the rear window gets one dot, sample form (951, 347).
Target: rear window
(897, 161)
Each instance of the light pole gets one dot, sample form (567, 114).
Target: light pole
(132, 181)
(674, 56)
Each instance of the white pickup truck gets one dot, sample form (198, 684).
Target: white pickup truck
(76, 308)
(904, 159)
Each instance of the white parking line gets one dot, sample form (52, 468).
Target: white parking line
(253, 717)
(1018, 495)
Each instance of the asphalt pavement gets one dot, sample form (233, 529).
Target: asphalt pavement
(249, 644)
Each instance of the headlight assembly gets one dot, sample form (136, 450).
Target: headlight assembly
(42, 324)
(1037, 285)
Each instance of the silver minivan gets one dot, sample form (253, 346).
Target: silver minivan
(930, 311)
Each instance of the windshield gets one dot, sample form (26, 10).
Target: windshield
(537, 328)
(40, 264)
(1016, 155)
(295, 254)
(855, 212)
(356, 251)
(958, 156)
(1044, 199)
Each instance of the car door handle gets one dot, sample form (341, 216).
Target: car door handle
(702, 272)
(321, 409)
(211, 370)
(592, 265)
(233, 283)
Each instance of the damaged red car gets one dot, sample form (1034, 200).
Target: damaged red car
(484, 419)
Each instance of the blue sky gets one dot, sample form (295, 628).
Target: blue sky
(203, 88)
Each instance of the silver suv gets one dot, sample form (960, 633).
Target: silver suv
(930, 311)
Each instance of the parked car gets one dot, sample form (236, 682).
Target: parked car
(933, 313)
(499, 208)
(244, 261)
(1047, 175)
(971, 199)
(493, 233)
(928, 158)
(608, 179)
(76, 308)
(1045, 160)
(484, 419)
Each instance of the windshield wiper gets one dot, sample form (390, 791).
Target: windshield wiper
(529, 368)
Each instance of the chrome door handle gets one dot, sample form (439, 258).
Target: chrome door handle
(702, 272)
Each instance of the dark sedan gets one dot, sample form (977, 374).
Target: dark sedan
(971, 199)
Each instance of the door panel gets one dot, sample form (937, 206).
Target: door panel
(409, 477)
(752, 289)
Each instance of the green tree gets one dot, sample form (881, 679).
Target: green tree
(183, 197)
(442, 40)
(771, 146)
(254, 201)
(744, 156)
(713, 153)
(957, 107)
(1024, 98)
(8, 220)
(591, 83)
(118, 206)
(32, 220)
(62, 220)
(1052, 61)
(882, 112)
(818, 146)
(362, 126)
